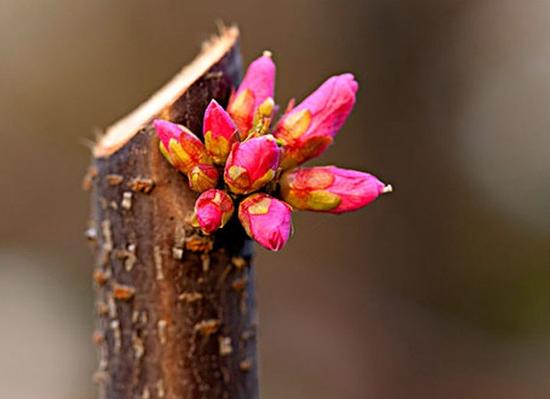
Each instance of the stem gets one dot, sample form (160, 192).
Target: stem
(176, 316)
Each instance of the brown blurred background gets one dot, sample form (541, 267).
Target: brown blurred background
(441, 290)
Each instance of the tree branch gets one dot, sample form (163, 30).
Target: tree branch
(175, 308)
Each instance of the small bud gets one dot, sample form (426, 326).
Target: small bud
(330, 189)
(256, 87)
(309, 128)
(203, 177)
(213, 209)
(219, 132)
(266, 108)
(262, 118)
(267, 220)
(180, 146)
(251, 164)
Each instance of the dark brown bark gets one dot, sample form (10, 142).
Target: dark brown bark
(175, 309)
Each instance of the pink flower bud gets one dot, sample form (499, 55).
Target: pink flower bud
(309, 128)
(219, 132)
(330, 189)
(213, 209)
(180, 146)
(203, 177)
(267, 220)
(257, 86)
(251, 164)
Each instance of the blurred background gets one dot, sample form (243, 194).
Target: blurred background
(440, 290)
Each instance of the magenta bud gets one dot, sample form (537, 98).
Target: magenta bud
(330, 189)
(213, 208)
(203, 177)
(219, 132)
(256, 87)
(266, 220)
(251, 164)
(309, 128)
(180, 146)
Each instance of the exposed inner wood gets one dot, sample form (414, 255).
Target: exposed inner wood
(123, 130)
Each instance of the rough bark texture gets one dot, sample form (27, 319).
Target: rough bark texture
(175, 309)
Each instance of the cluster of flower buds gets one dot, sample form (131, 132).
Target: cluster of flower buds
(240, 162)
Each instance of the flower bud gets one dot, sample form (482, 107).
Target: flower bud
(180, 146)
(267, 220)
(213, 209)
(251, 164)
(309, 128)
(256, 87)
(219, 132)
(262, 118)
(203, 177)
(330, 189)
